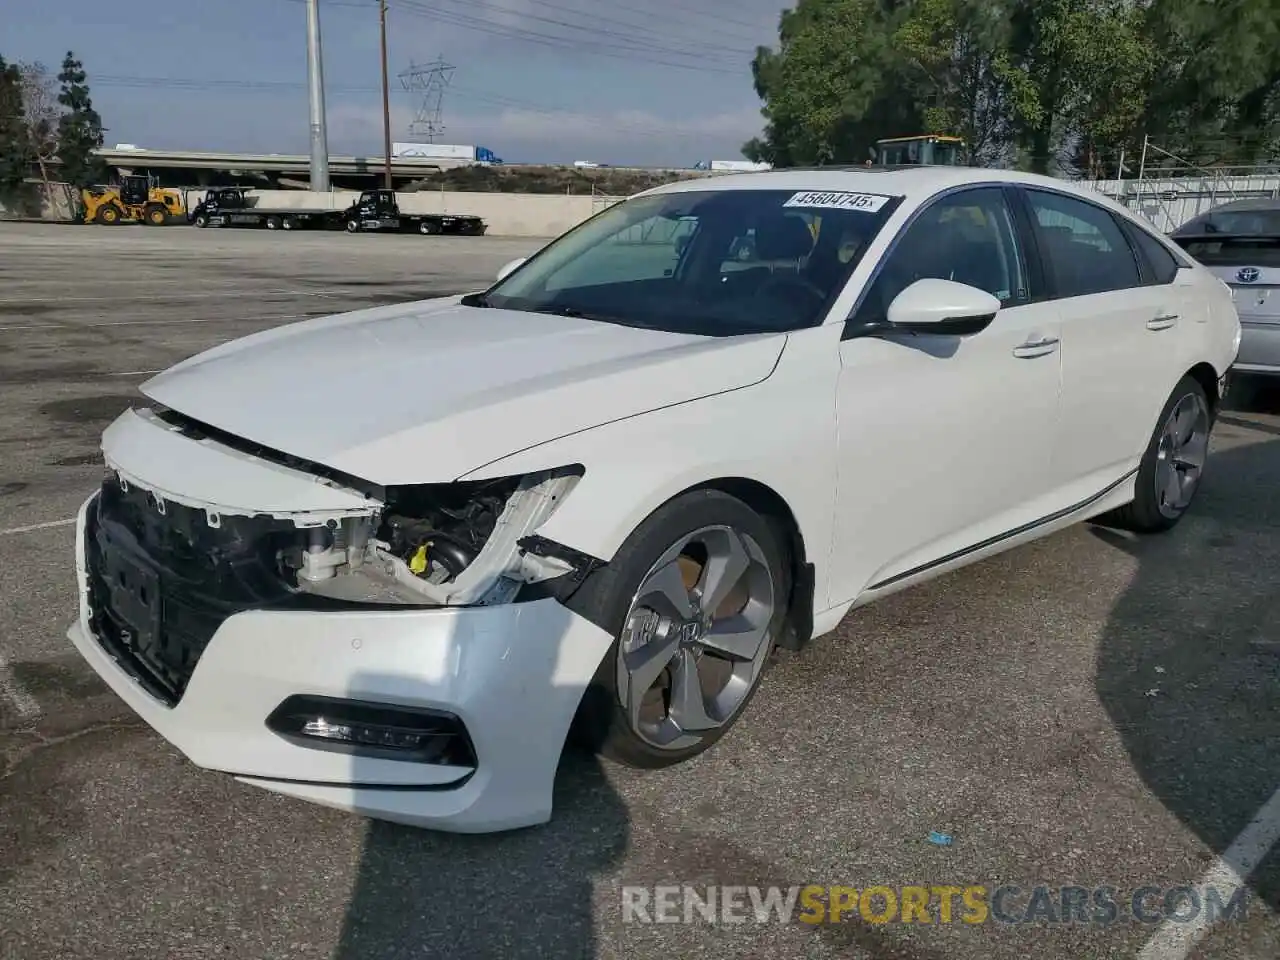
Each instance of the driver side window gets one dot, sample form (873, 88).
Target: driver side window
(968, 237)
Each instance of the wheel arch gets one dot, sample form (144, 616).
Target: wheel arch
(771, 505)
(1204, 374)
(774, 509)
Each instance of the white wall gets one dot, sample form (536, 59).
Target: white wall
(507, 214)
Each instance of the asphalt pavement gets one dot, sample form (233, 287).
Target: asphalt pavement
(1091, 711)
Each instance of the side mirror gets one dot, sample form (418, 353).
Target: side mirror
(943, 307)
(506, 270)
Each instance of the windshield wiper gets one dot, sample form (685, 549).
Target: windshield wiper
(577, 314)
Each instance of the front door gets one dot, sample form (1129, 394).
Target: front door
(944, 442)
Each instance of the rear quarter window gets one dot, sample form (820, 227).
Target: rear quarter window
(1160, 265)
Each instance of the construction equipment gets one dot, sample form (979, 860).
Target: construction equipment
(134, 200)
(930, 149)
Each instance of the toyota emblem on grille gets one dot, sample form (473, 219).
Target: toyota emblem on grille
(1248, 274)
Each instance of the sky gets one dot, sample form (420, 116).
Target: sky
(646, 83)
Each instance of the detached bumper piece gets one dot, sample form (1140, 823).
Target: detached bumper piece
(161, 581)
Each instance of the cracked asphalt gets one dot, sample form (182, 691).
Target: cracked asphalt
(1090, 710)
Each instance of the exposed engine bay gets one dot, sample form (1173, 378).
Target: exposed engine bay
(463, 543)
(449, 544)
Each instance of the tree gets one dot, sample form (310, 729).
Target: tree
(40, 112)
(962, 77)
(1082, 69)
(15, 160)
(833, 86)
(1213, 96)
(79, 128)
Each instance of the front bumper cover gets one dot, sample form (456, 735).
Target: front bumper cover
(514, 675)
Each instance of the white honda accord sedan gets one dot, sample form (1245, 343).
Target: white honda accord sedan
(388, 561)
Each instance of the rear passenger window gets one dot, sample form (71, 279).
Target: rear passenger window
(1163, 264)
(1083, 247)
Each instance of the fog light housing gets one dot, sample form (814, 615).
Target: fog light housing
(381, 731)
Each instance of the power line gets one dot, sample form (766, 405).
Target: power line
(612, 50)
(648, 40)
(487, 97)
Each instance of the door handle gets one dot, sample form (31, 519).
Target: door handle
(1036, 348)
(1162, 322)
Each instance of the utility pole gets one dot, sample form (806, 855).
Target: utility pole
(315, 87)
(386, 98)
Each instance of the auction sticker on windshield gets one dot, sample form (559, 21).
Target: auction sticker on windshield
(839, 200)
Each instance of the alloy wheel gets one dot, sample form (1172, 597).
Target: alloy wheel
(696, 637)
(1181, 455)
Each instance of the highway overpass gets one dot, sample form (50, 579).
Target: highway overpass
(198, 167)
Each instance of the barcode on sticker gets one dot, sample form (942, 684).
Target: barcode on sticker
(838, 200)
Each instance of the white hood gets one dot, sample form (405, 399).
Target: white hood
(426, 392)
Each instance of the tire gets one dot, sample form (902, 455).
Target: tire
(427, 228)
(157, 216)
(1153, 509)
(288, 223)
(273, 223)
(705, 521)
(201, 221)
(353, 226)
(110, 214)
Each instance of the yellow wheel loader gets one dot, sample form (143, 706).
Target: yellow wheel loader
(134, 201)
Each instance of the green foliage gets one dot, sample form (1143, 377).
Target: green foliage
(1047, 84)
(79, 127)
(831, 89)
(15, 154)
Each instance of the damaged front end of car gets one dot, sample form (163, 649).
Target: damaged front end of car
(166, 562)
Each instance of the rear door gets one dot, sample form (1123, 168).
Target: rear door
(1122, 332)
(1244, 252)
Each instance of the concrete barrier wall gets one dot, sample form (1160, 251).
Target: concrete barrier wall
(507, 214)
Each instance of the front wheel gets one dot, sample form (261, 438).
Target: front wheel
(1173, 465)
(201, 220)
(696, 599)
(353, 226)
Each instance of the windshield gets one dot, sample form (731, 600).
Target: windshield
(712, 262)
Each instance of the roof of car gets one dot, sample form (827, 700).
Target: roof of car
(896, 181)
(1251, 203)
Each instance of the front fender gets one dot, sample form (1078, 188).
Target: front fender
(780, 432)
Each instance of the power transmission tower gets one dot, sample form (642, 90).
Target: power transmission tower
(429, 81)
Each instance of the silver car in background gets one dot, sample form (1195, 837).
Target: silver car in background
(1240, 243)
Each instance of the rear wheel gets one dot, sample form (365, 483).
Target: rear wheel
(110, 214)
(156, 215)
(273, 223)
(1172, 466)
(696, 599)
(429, 228)
(288, 223)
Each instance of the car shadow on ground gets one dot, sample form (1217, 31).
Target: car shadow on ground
(526, 893)
(1189, 664)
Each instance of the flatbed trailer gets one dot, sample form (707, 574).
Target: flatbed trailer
(378, 210)
(229, 207)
